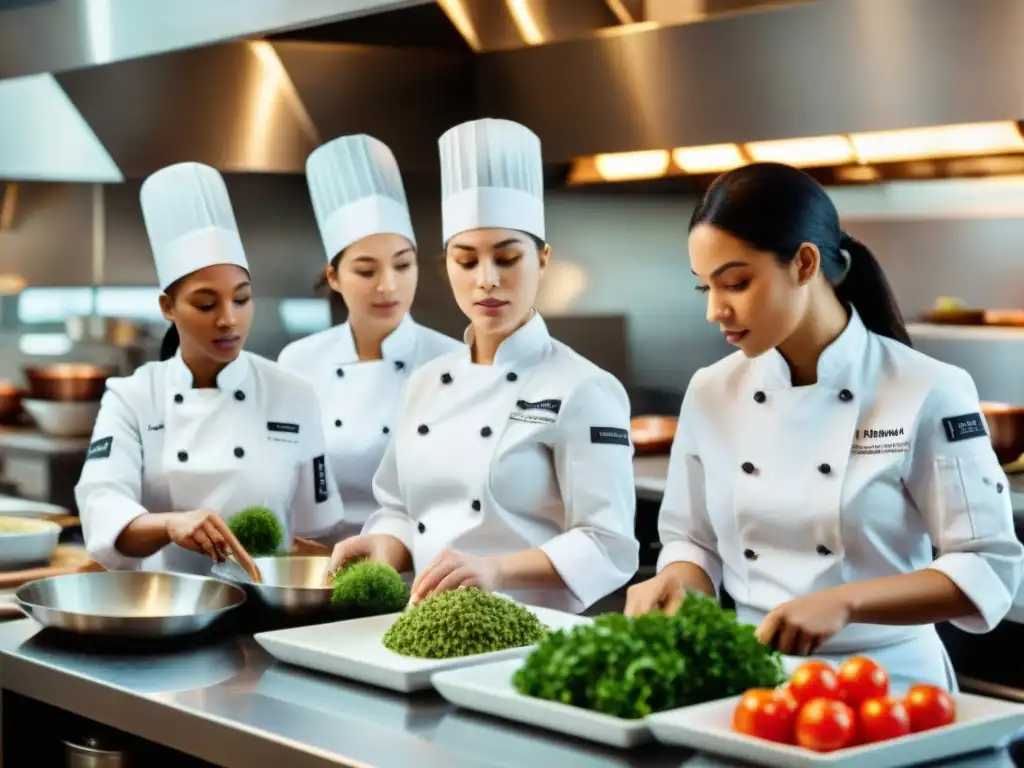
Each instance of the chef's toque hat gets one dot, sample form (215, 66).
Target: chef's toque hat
(357, 191)
(190, 222)
(492, 175)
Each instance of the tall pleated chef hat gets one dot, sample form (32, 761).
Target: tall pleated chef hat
(357, 191)
(190, 222)
(492, 176)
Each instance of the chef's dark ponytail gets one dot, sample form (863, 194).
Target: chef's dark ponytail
(169, 346)
(777, 208)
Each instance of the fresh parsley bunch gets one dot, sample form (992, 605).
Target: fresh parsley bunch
(633, 667)
(462, 622)
(368, 588)
(258, 530)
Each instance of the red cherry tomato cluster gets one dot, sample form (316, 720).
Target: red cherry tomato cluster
(824, 709)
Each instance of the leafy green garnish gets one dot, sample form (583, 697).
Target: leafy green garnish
(368, 588)
(633, 667)
(462, 622)
(258, 530)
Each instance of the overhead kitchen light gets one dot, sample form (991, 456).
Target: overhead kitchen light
(963, 140)
(818, 151)
(525, 22)
(713, 158)
(623, 166)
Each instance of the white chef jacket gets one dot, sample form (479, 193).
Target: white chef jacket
(532, 451)
(161, 446)
(779, 491)
(359, 400)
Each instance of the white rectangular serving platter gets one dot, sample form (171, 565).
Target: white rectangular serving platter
(982, 723)
(487, 688)
(353, 649)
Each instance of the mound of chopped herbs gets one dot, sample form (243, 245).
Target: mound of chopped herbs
(462, 622)
(368, 588)
(633, 667)
(258, 530)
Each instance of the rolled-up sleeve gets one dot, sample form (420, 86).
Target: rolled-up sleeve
(109, 490)
(956, 482)
(593, 455)
(317, 508)
(684, 525)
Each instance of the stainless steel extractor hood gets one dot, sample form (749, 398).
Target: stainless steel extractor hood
(57, 35)
(802, 69)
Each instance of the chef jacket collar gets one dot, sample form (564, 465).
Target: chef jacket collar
(397, 345)
(530, 339)
(228, 380)
(834, 364)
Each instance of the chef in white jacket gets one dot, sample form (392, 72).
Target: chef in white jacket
(182, 444)
(361, 367)
(814, 470)
(511, 467)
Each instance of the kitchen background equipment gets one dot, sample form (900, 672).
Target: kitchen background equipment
(60, 418)
(292, 584)
(653, 434)
(92, 752)
(24, 541)
(67, 381)
(129, 603)
(10, 402)
(1006, 430)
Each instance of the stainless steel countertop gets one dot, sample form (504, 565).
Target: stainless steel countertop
(225, 701)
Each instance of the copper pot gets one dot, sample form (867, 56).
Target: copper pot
(653, 434)
(1006, 429)
(10, 402)
(67, 381)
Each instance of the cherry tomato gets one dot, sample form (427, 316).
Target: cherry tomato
(825, 725)
(860, 679)
(929, 707)
(766, 714)
(881, 719)
(814, 680)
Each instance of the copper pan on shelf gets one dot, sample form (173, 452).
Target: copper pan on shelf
(653, 434)
(10, 402)
(67, 381)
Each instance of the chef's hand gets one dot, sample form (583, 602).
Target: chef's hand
(451, 570)
(379, 547)
(203, 531)
(664, 592)
(800, 626)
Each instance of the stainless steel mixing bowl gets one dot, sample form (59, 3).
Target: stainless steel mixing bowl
(292, 584)
(128, 603)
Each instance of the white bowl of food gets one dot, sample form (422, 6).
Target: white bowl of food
(63, 418)
(26, 542)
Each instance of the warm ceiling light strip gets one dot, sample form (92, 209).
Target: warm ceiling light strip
(803, 153)
(712, 158)
(621, 166)
(459, 17)
(524, 21)
(965, 140)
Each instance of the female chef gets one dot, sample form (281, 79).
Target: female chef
(511, 465)
(814, 469)
(360, 368)
(183, 443)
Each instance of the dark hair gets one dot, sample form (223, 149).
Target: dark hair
(777, 208)
(169, 346)
(339, 310)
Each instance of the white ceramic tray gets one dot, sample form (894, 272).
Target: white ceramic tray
(353, 649)
(982, 723)
(487, 688)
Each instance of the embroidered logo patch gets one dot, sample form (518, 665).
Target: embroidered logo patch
(964, 427)
(549, 406)
(100, 449)
(320, 479)
(609, 435)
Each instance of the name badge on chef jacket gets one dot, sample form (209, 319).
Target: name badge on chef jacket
(282, 432)
(880, 438)
(539, 412)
